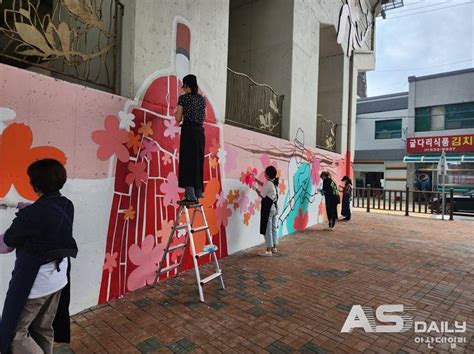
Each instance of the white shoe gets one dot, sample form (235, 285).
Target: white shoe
(266, 254)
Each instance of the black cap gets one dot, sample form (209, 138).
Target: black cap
(345, 178)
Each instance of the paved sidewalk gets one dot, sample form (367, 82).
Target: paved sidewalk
(298, 301)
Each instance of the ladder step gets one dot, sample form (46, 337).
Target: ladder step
(169, 268)
(181, 227)
(176, 247)
(199, 229)
(211, 277)
(189, 205)
(207, 249)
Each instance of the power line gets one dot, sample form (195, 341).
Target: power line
(421, 7)
(424, 67)
(423, 12)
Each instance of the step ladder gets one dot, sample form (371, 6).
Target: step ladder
(209, 248)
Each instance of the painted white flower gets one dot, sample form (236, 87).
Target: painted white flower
(6, 114)
(127, 120)
(221, 155)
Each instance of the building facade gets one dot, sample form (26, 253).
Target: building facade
(381, 131)
(400, 137)
(102, 101)
(442, 110)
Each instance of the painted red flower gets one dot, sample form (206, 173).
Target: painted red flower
(301, 221)
(137, 173)
(214, 148)
(111, 140)
(248, 177)
(223, 214)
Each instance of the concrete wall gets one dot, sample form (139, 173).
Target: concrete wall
(150, 43)
(260, 45)
(288, 37)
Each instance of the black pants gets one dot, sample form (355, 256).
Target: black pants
(346, 206)
(331, 211)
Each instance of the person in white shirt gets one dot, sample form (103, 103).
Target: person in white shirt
(269, 210)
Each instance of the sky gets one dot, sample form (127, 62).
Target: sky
(414, 40)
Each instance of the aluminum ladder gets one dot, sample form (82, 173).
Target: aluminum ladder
(208, 249)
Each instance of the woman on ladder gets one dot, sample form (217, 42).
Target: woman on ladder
(190, 113)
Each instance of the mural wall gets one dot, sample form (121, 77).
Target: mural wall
(122, 161)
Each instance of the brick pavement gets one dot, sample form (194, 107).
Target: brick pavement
(298, 301)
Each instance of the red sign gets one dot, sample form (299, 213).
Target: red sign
(452, 143)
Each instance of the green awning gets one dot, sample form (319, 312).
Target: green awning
(435, 159)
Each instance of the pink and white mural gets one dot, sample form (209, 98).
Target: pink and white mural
(122, 161)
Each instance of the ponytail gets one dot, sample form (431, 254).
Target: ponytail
(276, 181)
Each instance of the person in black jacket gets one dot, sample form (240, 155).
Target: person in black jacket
(331, 195)
(346, 198)
(36, 309)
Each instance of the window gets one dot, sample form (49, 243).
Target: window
(459, 116)
(388, 129)
(423, 119)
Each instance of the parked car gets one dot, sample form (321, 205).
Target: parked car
(463, 203)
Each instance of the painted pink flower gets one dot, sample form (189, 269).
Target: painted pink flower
(171, 190)
(110, 262)
(164, 234)
(149, 147)
(166, 159)
(171, 129)
(176, 255)
(251, 209)
(265, 160)
(137, 173)
(301, 221)
(230, 159)
(111, 140)
(243, 202)
(146, 259)
(315, 167)
(221, 199)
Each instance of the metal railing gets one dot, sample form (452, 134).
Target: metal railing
(253, 106)
(326, 133)
(408, 201)
(73, 40)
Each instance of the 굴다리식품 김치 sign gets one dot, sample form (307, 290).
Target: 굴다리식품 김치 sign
(452, 143)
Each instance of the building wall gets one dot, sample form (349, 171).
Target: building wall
(438, 90)
(365, 138)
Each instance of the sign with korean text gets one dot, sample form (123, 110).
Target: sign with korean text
(453, 143)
